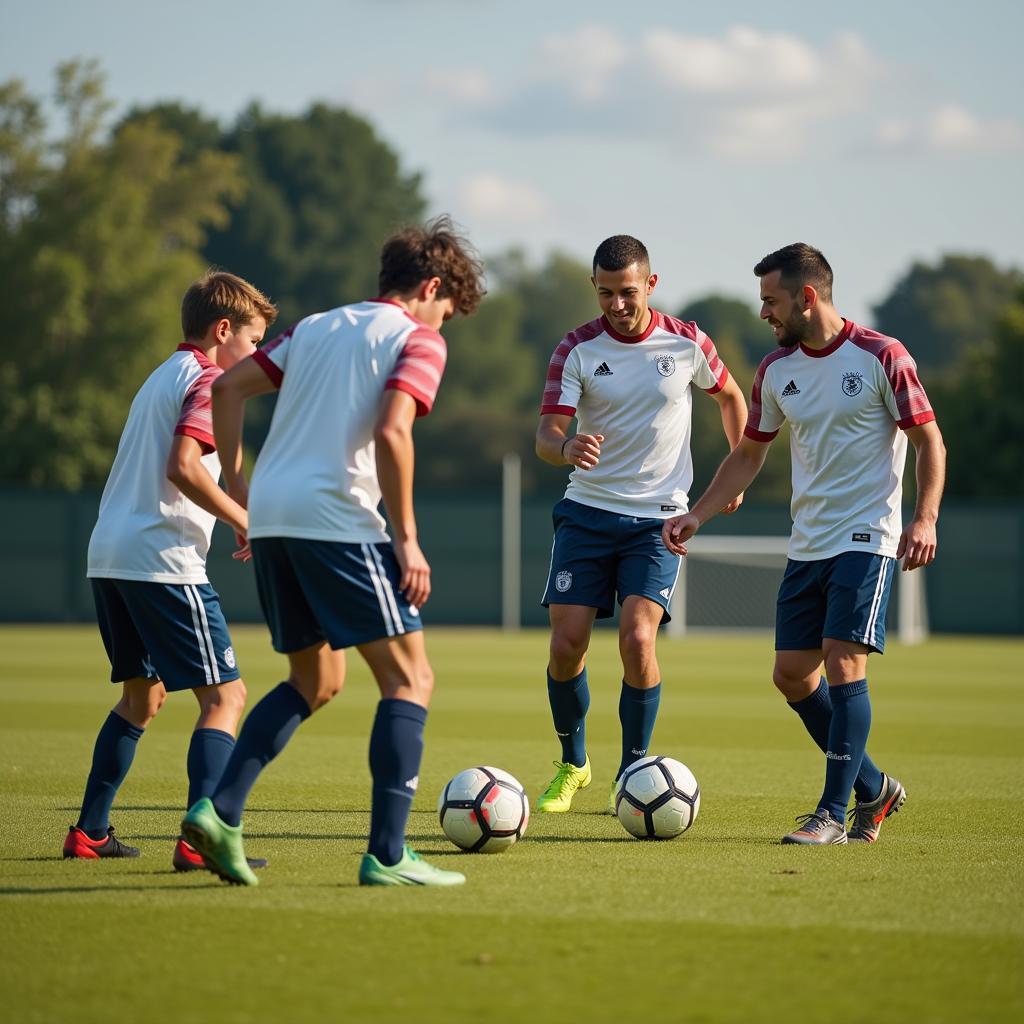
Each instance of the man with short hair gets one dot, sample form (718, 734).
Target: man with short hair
(161, 621)
(351, 382)
(628, 378)
(852, 398)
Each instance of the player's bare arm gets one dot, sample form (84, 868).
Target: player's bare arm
(186, 471)
(231, 390)
(392, 435)
(918, 542)
(734, 476)
(733, 407)
(556, 446)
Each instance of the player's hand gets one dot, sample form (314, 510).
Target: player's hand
(243, 553)
(734, 504)
(917, 545)
(677, 530)
(415, 581)
(584, 451)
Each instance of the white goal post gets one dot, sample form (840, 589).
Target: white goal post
(730, 582)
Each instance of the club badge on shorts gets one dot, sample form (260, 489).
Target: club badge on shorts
(563, 581)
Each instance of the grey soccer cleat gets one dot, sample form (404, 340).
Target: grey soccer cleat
(867, 816)
(817, 829)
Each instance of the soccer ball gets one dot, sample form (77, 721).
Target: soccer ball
(657, 798)
(483, 810)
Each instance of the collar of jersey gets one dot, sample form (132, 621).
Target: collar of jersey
(201, 357)
(817, 353)
(398, 305)
(627, 339)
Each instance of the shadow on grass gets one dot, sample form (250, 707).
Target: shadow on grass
(64, 890)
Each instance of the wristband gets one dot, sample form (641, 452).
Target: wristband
(564, 443)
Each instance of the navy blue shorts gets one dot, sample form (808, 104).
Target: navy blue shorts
(174, 632)
(842, 598)
(317, 590)
(598, 556)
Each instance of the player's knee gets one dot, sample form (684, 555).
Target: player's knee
(568, 647)
(790, 687)
(140, 708)
(636, 642)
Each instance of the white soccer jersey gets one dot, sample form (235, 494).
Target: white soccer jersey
(636, 392)
(846, 405)
(147, 529)
(316, 475)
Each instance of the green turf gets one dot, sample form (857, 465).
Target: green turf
(577, 923)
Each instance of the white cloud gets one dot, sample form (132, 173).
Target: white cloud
(470, 87)
(585, 60)
(493, 198)
(949, 129)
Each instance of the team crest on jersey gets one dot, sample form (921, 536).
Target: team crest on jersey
(563, 581)
(666, 365)
(229, 657)
(853, 383)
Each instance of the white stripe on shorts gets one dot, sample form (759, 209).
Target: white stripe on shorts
(876, 601)
(202, 630)
(385, 611)
(389, 591)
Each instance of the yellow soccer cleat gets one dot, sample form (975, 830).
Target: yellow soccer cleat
(557, 798)
(611, 798)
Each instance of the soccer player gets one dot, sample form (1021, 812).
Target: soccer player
(351, 383)
(160, 619)
(852, 398)
(627, 377)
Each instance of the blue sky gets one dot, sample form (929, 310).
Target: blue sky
(881, 132)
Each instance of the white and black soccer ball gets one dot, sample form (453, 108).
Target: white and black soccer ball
(483, 810)
(657, 798)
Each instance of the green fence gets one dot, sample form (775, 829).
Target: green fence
(975, 586)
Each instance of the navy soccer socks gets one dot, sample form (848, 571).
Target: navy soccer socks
(266, 731)
(396, 748)
(815, 712)
(570, 701)
(637, 711)
(847, 738)
(112, 756)
(208, 755)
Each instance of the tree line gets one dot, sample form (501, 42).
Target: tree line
(103, 226)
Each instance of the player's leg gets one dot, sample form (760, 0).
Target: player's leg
(580, 587)
(645, 578)
(316, 674)
(859, 585)
(92, 836)
(142, 693)
(640, 696)
(406, 680)
(392, 646)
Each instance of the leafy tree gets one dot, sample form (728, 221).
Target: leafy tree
(981, 414)
(940, 312)
(323, 193)
(101, 237)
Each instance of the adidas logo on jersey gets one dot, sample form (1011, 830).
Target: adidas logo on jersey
(604, 370)
(790, 389)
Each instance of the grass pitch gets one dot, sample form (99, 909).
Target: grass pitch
(578, 922)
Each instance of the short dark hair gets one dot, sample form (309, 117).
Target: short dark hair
(800, 264)
(218, 295)
(415, 254)
(621, 251)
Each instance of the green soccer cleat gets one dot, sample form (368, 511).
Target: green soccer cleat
(220, 845)
(557, 798)
(412, 869)
(611, 797)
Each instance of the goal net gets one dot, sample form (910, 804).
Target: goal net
(732, 583)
